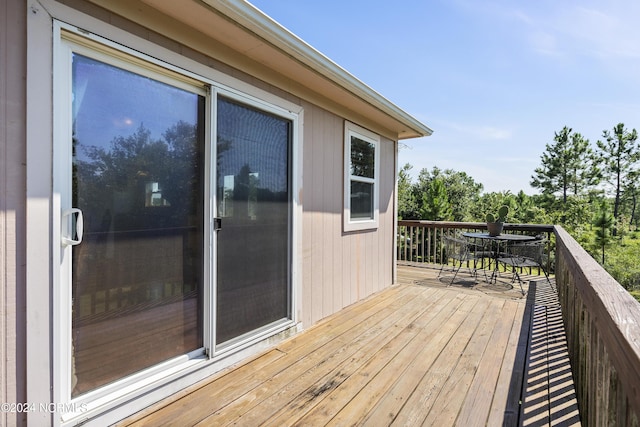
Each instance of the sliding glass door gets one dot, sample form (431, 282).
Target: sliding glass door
(175, 201)
(138, 182)
(254, 204)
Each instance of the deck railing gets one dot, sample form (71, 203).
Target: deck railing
(602, 320)
(421, 241)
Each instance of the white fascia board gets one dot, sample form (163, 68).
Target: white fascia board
(256, 21)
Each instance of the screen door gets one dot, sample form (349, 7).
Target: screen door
(254, 206)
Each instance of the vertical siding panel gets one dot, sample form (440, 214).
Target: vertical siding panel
(385, 246)
(12, 206)
(390, 240)
(366, 249)
(337, 143)
(312, 232)
(332, 146)
(374, 262)
(361, 263)
(317, 193)
(376, 250)
(386, 241)
(345, 250)
(307, 218)
(366, 246)
(381, 244)
(37, 295)
(342, 253)
(354, 268)
(328, 235)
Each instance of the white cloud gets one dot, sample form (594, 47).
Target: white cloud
(494, 133)
(472, 131)
(604, 34)
(604, 31)
(544, 43)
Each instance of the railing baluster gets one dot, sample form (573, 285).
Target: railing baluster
(423, 249)
(404, 242)
(429, 251)
(414, 244)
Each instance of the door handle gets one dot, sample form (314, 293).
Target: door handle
(77, 229)
(217, 224)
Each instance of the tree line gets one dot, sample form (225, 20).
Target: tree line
(591, 189)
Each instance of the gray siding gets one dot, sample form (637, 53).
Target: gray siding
(340, 268)
(12, 205)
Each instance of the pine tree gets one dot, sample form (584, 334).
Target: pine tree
(460, 188)
(407, 206)
(567, 165)
(619, 154)
(436, 206)
(631, 193)
(604, 226)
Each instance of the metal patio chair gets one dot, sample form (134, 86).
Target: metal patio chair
(461, 251)
(525, 255)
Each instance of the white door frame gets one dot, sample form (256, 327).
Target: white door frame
(177, 372)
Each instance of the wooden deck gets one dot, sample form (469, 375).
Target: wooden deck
(419, 353)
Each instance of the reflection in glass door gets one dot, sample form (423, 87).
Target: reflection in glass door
(138, 179)
(254, 202)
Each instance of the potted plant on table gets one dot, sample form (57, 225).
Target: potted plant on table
(494, 225)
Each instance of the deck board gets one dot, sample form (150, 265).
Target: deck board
(378, 399)
(457, 379)
(418, 353)
(312, 376)
(477, 404)
(511, 373)
(358, 373)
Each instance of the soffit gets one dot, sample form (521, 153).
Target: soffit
(250, 41)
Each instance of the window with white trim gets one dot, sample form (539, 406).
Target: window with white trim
(361, 176)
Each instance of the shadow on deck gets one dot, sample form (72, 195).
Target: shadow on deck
(542, 392)
(419, 353)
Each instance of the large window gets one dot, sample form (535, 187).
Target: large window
(362, 158)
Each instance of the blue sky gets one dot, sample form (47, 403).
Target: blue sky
(494, 79)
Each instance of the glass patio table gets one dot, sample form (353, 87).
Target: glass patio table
(494, 243)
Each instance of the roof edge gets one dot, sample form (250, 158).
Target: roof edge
(259, 23)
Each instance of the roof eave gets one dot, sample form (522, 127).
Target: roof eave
(256, 21)
(238, 34)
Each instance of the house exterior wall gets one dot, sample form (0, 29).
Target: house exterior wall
(338, 268)
(12, 206)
